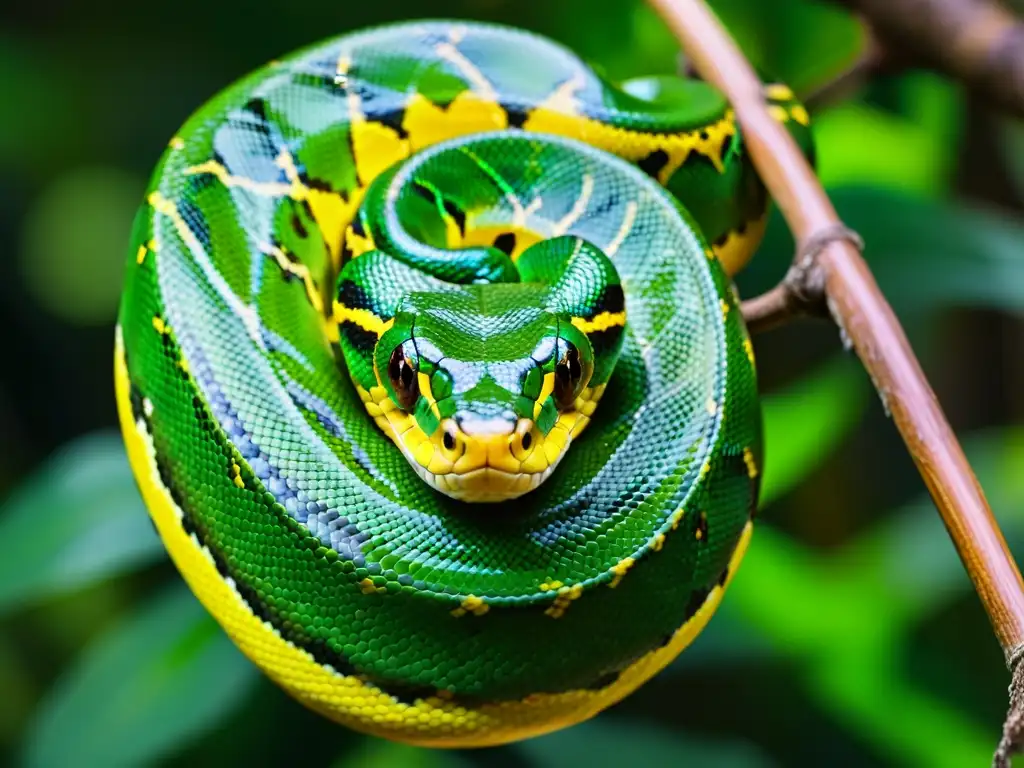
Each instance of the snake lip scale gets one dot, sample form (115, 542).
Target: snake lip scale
(432, 374)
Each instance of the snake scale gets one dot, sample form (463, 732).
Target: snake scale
(432, 375)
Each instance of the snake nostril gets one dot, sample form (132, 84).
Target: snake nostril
(449, 440)
(527, 441)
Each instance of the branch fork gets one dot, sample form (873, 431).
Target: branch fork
(802, 291)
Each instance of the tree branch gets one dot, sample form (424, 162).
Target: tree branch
(979, 42)
(829, 268)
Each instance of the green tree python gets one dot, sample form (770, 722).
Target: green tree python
(434, 380)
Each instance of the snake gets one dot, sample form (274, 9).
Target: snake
(432, 374)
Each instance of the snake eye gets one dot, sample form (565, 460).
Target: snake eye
(404, 379)
(569, 381)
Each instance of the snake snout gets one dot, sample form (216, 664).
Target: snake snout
(496, 459)
(474, 425)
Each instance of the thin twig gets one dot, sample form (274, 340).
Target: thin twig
(979, 42)
(773, 308)
(832, 264)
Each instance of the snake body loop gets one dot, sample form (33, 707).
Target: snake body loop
(375, 294)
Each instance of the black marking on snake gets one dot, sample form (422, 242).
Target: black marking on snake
(321, 185)
(198, 182)
(394, 121)
(346, 252)
(728, 144)
(457, 214)
(353, 295)
(736, 460)
(605, 206)
(247, 144)
(321, 80)
(506, 242)
(602, 681)
(166, 474)
(654, 162)
(298, 226)
(609, 338)
(449, 206)
(258, 107)
(286, 274)
(135, 399)
(698, 597)
(517, 116)
(290, 257)
(723, 577)
(357, 229)
(196, 222)
(424, 192)
(360, 338)
(364, 90)
(699, 158)
(755, 490)
(612, 299)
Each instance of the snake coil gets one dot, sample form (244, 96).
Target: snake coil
(433, 378)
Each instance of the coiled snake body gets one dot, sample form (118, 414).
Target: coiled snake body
(375, 294)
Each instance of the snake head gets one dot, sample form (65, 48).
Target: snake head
(485, 388)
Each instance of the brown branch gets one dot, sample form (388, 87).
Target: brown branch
(830, 269)
(771, 309)
(979, 42)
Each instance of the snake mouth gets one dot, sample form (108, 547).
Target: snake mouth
(486, 484)
(488, 466)
(485, 466)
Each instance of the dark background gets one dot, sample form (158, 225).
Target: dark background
(851, 635)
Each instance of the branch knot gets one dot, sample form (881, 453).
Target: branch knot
(804, 280)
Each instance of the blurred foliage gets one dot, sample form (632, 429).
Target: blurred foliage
(850, 636)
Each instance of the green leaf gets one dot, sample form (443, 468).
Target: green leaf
(38, 139)
(806, 422)
(78, 520)
(607, 742)
(74, 240)
(151, 686)
(380, 753)
(841, 621)
(799, 41)
(912, 552)
(904, 155)
(926, 253)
